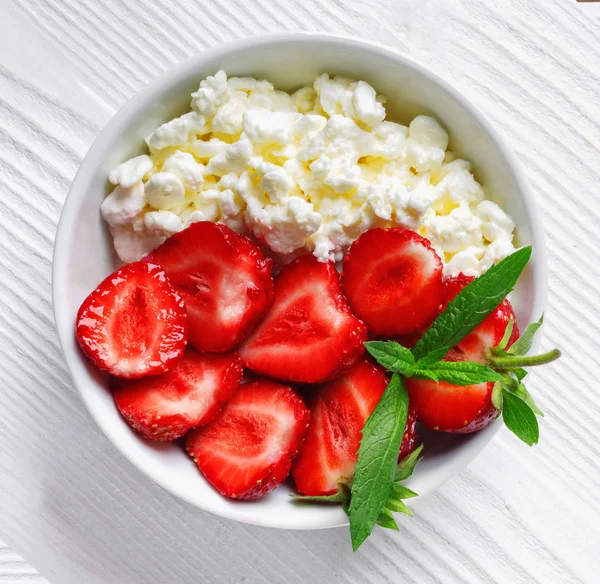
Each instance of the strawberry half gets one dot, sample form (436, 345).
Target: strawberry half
(224, 279)
(134, 324)
(248, 449)
(463, 409)
(338, 412)
(309, 335)
(165, 407)
(393, 281)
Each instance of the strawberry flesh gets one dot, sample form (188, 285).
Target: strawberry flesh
(134, 323)
(393, 281)
(224, 279)
(338, 412)
(309, 335)
(409, 440)
(463, 409)
(165, 407)
(248, 449)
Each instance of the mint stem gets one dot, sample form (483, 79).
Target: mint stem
(510, 363)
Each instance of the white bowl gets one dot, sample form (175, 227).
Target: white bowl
(83, 253)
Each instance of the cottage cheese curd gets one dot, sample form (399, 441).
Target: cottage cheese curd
(307, 171)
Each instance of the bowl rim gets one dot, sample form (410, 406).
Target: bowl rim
(143, 98)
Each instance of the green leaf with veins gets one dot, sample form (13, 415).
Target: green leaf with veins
(472, 304)
(460, 372)
(520, 418)
(425, 374)
(392, 355)
(376, 465)
(430, 358)
(522, 345)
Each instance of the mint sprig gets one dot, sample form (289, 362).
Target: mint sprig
(393, 356)
(398, 359)
(472, 304)
(377, 460)
(520, 418)
(376, 491)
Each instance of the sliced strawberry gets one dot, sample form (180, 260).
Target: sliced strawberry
(165, 407)
(134, 324)
(224, 279)
(463, 409)
(309, 335)
(393, 281)
(338, 412)
(409, 440)
(248, 449)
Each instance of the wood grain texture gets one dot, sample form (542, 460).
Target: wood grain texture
(82, 514)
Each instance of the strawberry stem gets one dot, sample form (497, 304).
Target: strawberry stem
(510, 363)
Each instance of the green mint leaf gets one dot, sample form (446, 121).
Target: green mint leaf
(506, 336)
(392, 355)
(461, 372)
(377, 456)
(472, 304)
(522, 345)
(398, 506)
(407, 465)
(425, 374)
(520, 418)
(386, 519)
(431, 358)
(399, 491)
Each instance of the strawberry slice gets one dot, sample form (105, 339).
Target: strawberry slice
(224, 279)
(248, 449)
(309, 335)
(134, 324)
(393, 281)
(165, 407)
(338, 412)
(463, 409)
(409, 440)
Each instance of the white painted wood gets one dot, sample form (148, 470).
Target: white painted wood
(81, 514)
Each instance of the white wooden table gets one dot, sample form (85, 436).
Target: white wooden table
(81, 514)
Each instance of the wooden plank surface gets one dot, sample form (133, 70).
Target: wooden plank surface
(81, 514)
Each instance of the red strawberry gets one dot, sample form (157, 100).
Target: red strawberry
(393, 281)
(248, 449)
(309, 335)
(224, 279)
(134, 323)
(453, 408)
(165, 407)
(409, 440)
(338, 412)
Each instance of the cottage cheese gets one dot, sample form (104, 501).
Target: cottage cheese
(312, 170)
